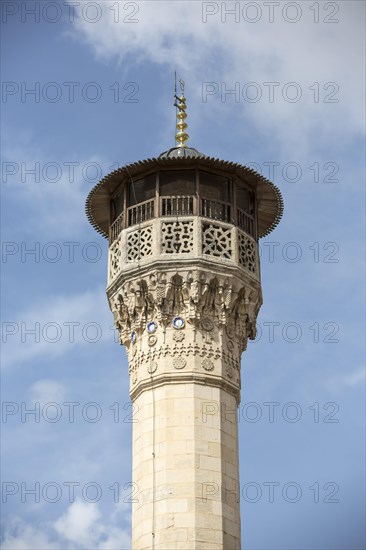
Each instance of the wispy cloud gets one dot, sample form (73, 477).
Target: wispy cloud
(80, 526)
(307, 53)
(46, 390)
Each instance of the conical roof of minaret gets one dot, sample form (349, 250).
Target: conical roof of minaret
(269, 198)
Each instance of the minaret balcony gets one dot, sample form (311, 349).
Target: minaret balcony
(179, 238)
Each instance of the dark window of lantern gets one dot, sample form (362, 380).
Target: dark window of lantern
(177, 182)
(244, 200)
(141, 190)
(117, 206)
(214, 187)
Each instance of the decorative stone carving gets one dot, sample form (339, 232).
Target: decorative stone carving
(219, 311)
(178, 323)
(247, 252)
(193, 354)
(182, 239)
(177, 237)
(194, 295)
(207, 324)
(139, 244)
(115, 258)
(207, 364)
(152, 367)
(152, 340)
(216, 240)
(179, 362)
(151, 327)
(179, 336)
(230, 345)
(190, 350)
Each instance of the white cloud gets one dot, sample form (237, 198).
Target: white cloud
(81, 526)
(46, 391)
(18, 535)
(173, 35)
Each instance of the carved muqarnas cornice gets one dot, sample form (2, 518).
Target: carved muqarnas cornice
(195, 295)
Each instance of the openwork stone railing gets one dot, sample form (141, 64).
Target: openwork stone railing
(188, 237)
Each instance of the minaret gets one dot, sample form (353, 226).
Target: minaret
(184, 287)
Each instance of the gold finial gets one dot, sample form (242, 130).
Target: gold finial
(181, 136)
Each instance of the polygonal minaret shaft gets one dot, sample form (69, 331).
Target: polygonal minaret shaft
(184, 287)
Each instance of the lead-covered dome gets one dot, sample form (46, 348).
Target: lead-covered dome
(181, 152)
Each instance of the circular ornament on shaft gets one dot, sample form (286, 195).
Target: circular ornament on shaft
(179, 362)
(152, 340)
(151, 327)
(178, 336)
(178, 322)
(207, 324)
(207, 364)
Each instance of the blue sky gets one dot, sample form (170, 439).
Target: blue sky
(312, 264)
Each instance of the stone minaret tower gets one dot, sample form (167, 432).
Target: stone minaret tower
(184, 287)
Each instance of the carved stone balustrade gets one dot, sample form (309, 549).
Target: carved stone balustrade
(187, 239)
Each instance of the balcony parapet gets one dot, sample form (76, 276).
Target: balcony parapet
(183, 239)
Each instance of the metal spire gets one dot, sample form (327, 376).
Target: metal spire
(181, 136)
